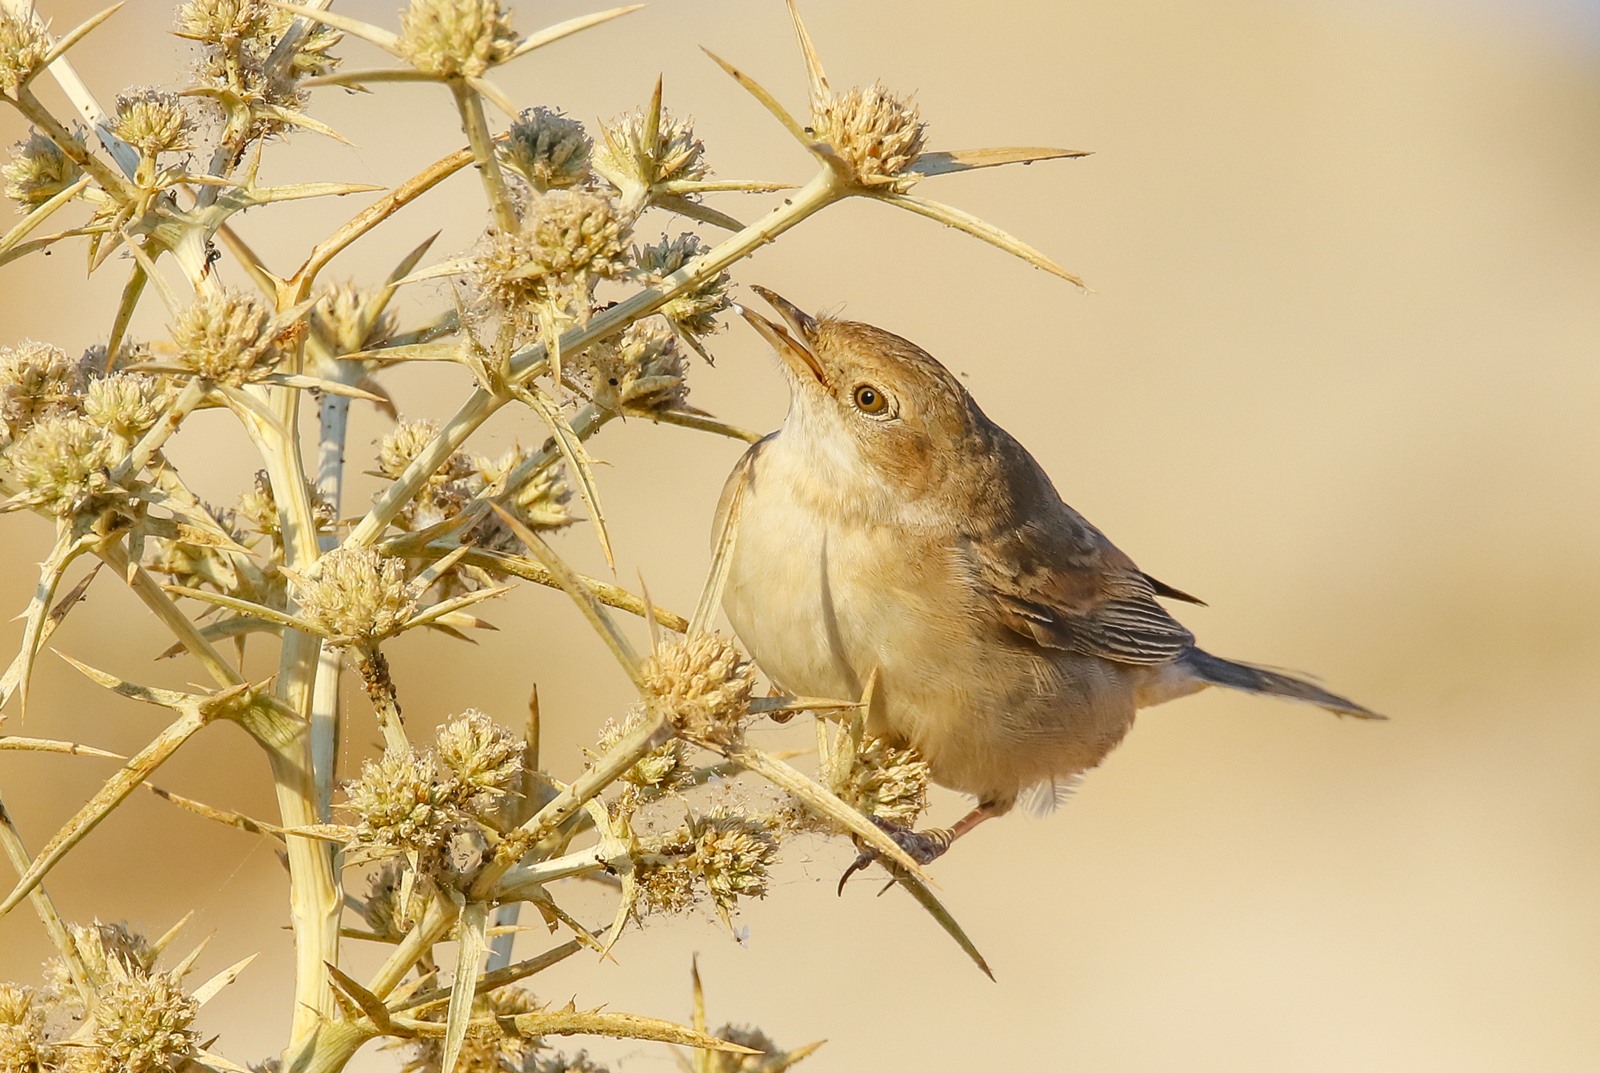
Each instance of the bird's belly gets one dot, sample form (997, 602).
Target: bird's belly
(821, 607)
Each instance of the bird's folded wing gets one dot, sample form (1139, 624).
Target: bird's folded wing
(1074, 591)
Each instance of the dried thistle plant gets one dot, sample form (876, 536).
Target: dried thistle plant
(456, 831)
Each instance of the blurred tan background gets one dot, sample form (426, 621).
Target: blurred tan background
(1339, 375)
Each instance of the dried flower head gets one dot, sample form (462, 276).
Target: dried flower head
(153, 122)
(884, 780)
(772, 1059)
(727, 854)
(37, 171)
(568, 240)
(627, 156)
(456, 38)
(382, 908)
(400, 803)
(223, 336)
(142, 1021)
(446, 491)
(237, 37)
(663, 769)
(702, 683)
(666, 882)
(61, 461)
(488, 1048)
(548, 149)
(539, 502)
(23, 47)
(558, 1062)
(639, 371)
(340, 320)
(356, 596)
(877, 134)
(694, 312)
(127, 405)
(22, 1043)
(36, 379)
(483, 759)
(732, 853)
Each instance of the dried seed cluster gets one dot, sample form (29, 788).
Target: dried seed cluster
(153, 122)
(432, 806)
(886, 781)
(723, 854)
(236, 39)
(876, 133)
(702, 684)
(23, 47)
(548, 150)
(456, 38)
(141, 1020)
(223, 336)
(356, 596)
(63, 425)
(540, 500)
(37, 171)
(693, 312)
(568, 240)
(629, 157)
(640, 371)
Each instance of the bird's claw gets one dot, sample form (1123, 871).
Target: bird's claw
(924, 847)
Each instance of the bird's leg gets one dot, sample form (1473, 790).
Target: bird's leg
(924, 847)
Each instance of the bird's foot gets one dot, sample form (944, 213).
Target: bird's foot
(924, 847)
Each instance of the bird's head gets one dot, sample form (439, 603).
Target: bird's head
(868, 404)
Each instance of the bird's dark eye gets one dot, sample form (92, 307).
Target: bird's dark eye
(869, 400)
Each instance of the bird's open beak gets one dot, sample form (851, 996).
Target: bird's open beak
(794, 340)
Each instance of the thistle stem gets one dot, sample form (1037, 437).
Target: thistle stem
(476, 127)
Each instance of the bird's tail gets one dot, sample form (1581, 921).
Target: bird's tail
(1225, 672)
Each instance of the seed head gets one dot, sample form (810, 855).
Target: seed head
(732, 853)
(127, 405)
(666, 882)
(627, 157)
(357, 596)
(400, 803)
(548, 149)
(483, 759)
(694, 311)
(640, 371)
(487, 1048)
(664, 768)
(445, 492)
(456, 38)
(567, 241)
(23, 47)
(381, 908)
(259, 506)
(37, 171)
(569, 1063)
(340, 318)
(702, 684)
(772, 1058)
(152, 122)
(22, 1043)
(540, 502)
(223, 336)
(142, 1021)
(875, 132)
(885, 781)
(61, 461)
(36, 379)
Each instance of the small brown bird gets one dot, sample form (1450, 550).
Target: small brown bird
(890, 527)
